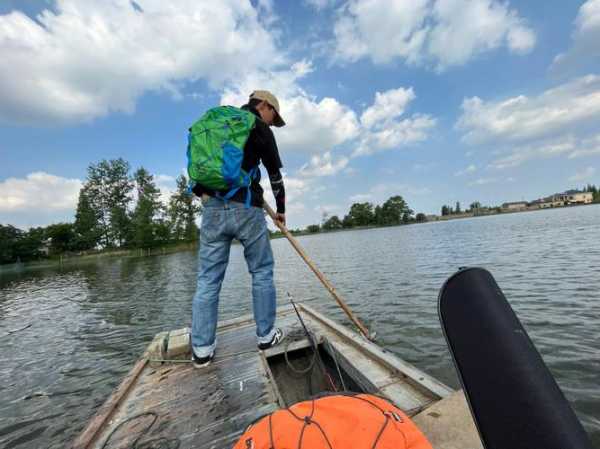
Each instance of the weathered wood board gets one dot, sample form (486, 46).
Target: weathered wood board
(173, 405)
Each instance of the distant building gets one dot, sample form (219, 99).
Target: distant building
(577, 197)
(518, 205)
(563, 199)
(550, 201)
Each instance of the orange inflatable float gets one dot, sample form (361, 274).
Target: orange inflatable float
(341, 421)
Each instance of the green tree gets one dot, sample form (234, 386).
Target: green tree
(362, 214)
(313, 228)
(17, 245)
(30, 244)
(162, 231)
(378, 216)
(146, 211)
(183, 210)
(475, 205)
(9, 236)
(347, 221)
(446, 210)
(62, 237)
(421, 217)
(87, 225)
(457, 209)
(595, 192)
(395, 211)
(109, 187)
(332, 223)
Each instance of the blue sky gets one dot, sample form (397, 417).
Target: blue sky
(436, 100)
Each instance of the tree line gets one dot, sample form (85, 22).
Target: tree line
(595, 192)
(475, 207)
(115, 209)
(393, 211)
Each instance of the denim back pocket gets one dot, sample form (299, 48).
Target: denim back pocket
(250, 223)
(211, 224)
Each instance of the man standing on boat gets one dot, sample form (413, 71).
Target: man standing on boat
(228, 215)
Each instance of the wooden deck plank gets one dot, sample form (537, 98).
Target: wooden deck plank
(206, 407)
(206, 404)
(449, 424)
(174, 403)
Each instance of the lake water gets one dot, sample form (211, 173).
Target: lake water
(83, 326)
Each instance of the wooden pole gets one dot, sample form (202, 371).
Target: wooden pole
(318, 273)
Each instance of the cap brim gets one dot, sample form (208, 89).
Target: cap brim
(278, 121)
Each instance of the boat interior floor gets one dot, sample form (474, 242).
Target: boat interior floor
(167, 402)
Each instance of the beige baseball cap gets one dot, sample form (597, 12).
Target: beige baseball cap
(267, 96)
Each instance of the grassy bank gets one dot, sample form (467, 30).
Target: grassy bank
(86, 256)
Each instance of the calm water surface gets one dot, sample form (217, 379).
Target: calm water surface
(83, 326)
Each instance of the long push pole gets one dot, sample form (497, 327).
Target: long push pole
(317, 272)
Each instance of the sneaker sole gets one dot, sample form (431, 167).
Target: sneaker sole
(201, 365)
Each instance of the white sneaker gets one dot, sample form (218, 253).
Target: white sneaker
(277, 338)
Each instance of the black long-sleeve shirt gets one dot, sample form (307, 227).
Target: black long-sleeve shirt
(260, 147)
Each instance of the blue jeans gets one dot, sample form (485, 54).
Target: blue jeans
(221, 223)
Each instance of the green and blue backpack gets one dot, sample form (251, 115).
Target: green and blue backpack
(216, 149)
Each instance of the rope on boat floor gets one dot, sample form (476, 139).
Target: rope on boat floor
(156, 443)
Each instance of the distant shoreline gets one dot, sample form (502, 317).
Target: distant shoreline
(127, 253)
(61, 261)
(444, 218)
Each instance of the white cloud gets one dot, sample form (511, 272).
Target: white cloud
(312, 126)
(296, 191)
(381, 30)
(544, 150)
(587, 147)
(442, 32)
(323, 166)
(584, 152)
(470, 169)
(464, 29)
(320, 5)
(316, 127)
(88, 58)
(383, 129)
(483, 181)
(584, 174)
(327, 210)
(295, 209)
(295, 188)
(38, 199)
(361, 197)
(39, 190)
(586, 35)
(167, 186)
(568, 107)
(381, 192)
(388, 105)
(394, 134)
(569, 145)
